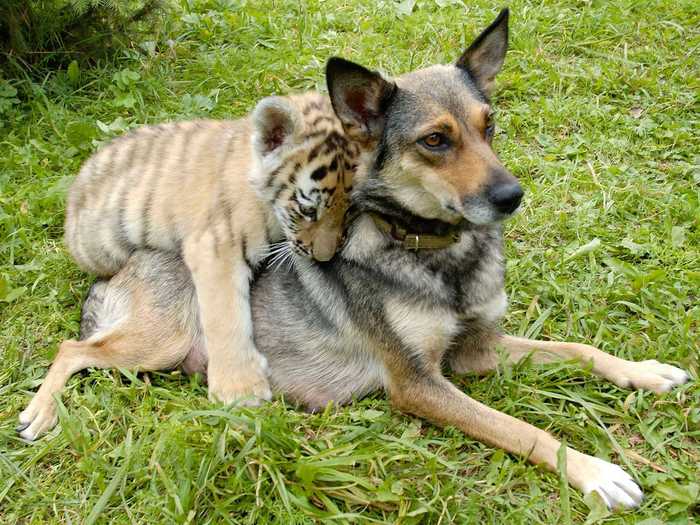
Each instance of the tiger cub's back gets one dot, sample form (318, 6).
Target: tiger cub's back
(283, 173)
(145, 188)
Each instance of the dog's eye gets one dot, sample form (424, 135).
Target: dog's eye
(435, 142)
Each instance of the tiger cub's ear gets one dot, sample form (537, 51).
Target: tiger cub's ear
(275, 121)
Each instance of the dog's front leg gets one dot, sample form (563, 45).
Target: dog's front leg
(646, 375)
(235, 370)
(438, 400)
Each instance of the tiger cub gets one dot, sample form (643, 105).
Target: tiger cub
(219, 193)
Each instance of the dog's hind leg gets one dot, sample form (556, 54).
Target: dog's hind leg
(647, 375)
(127, 346)
(436, 399)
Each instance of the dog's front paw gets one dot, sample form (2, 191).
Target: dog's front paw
(614, 485)
(651, 375)
(245, 385)
(38, 418)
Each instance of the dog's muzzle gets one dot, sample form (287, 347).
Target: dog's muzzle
(505, 197)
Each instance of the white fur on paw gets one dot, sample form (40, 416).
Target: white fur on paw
(37, 419)
(614, 485)
(652, 375)
(240, 385)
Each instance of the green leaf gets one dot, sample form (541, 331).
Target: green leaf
(622, 267)
(648, 277)
(598, 510)
(103, 500)
(197, 103)
(405, 7)
(385, 493)
(74, 73)
(586, 248)
(13, 294)
(563, 485)
(636, 249)
(678, 236)
(125, 101)
(673, 491)
(371, 414)
(125, 78)
(118, 125)
(7, 90)
(651, 521)
(81, 133)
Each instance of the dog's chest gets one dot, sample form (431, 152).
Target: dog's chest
(421, 328)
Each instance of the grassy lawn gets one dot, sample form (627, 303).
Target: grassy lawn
(597, 115)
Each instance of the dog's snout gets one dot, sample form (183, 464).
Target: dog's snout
(505, 197)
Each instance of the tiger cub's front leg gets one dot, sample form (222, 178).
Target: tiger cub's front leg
(236, 370)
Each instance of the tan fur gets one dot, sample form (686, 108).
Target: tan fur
(465, 170)
(212, 191)
(132, 343)
(432, 396)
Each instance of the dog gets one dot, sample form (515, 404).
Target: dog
(418, 285)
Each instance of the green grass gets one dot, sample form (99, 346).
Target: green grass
(598, 116)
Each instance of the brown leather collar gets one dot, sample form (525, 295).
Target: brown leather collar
(415, 241)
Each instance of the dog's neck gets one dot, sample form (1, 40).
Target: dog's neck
(391, 216)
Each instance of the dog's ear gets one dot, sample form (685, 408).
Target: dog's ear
(484, 58)
(275, 121)
(360, 98)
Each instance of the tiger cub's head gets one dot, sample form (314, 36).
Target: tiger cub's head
(305, 170)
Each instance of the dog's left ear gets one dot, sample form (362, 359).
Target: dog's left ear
(484, 58)
(360, 98)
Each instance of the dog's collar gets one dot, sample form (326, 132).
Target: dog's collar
(415, 241)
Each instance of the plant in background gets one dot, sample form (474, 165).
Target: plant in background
(49, 33)
(8, 97)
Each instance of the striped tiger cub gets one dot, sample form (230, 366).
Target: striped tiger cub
(219, 193)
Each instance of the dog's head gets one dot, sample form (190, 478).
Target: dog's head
(433, 129)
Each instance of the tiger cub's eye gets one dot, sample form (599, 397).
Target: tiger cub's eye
(309, 212)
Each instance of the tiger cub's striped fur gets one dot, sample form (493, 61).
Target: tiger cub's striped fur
(156, 185)
(219, 193)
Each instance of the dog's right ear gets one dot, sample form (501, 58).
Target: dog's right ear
(360, 98)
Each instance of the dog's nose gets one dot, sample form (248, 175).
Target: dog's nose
(505, 197)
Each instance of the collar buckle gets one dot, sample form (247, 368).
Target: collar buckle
(415, 241)
(412, 241)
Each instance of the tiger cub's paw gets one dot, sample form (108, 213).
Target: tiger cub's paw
(243, 384)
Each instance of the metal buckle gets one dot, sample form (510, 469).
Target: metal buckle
(412, 242)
